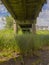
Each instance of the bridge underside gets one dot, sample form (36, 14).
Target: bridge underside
(26, 11)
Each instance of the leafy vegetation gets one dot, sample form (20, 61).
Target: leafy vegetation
(23, 44)
(9, 22)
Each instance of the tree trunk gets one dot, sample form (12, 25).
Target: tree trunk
(15, 27)
(34, 28)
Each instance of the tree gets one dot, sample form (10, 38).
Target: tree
(9, 22)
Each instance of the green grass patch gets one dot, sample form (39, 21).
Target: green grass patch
(24, 43)
(44, 32)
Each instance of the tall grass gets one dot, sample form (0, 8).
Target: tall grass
(25, 43)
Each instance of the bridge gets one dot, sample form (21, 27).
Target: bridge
(24, 12)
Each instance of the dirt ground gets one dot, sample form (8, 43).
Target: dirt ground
(42, 59)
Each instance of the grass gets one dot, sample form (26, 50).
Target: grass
(37, 62)
(44, 32)
(11, 44)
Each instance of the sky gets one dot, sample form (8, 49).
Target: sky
(42, 19)
(3, 11)
(2, 22)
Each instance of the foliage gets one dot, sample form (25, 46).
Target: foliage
(9, 22)
(24, 43)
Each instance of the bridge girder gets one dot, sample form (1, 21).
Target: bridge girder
(24, 9)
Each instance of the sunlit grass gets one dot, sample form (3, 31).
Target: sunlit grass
(21, 43)
(44, 32)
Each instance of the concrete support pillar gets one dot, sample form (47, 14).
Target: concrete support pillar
(15, 26)
(34, 28)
